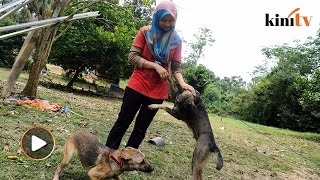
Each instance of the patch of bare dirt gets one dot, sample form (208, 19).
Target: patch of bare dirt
(55, 69)
(302, 174)
(236, 171)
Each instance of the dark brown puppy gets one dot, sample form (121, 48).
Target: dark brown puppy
(100, 161)
(191, 110)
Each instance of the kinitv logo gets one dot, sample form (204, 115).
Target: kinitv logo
(293, 19)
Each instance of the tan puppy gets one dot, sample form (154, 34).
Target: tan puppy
(100, 161)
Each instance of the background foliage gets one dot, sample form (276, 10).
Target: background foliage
(285, 95)
(9, 48)
(100, 44)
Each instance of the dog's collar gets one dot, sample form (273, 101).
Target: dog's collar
(119, 162)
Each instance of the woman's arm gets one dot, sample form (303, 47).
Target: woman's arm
(177, 74)
(140, 62)
(179, 78)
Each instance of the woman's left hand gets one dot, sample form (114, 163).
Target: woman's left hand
(188, 87)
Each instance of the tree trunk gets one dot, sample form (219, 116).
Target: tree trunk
(25, 51)
(75, 76)
(43, 49)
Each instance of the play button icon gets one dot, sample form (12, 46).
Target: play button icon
(37, 143)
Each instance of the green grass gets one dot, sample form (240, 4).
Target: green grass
(250, 151)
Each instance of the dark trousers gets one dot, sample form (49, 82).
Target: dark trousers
(132, 103)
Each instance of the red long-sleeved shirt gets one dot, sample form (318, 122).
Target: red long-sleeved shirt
(148, 81)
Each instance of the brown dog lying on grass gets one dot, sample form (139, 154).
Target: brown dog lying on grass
(100, 161)
(191, 110)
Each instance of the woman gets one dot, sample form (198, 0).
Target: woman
(154, 48)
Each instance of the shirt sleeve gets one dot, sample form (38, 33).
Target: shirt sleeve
(135, 57)
(177, 53)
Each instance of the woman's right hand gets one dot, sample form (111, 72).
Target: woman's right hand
(163, 73)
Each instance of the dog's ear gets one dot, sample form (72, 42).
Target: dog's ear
(197, 98)
(197, 93)
(133, 154)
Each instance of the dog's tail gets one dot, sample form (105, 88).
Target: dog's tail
(219, 161)
(219, 158)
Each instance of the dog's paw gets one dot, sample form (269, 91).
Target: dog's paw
(154, 106)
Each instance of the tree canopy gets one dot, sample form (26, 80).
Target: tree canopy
(9, 48)
(100, 44)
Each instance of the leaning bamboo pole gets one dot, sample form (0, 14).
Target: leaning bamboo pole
(16, 8)
(23, 31)
(41, 24)
(10, 5)
(47, 21)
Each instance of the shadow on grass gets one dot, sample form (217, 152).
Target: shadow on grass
(102, 92)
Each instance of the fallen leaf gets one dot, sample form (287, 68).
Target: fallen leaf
(48, 165)
(262, 150)
(10, 113)
(6, 147)
(12, 157)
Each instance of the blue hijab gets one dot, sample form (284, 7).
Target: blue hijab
(159, 41)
